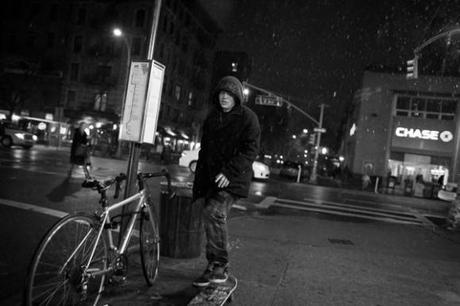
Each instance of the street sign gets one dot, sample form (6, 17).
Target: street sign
(319, 130)
(142, 103)
(269, 101)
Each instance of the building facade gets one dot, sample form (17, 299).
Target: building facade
(62, 55)
(408, 129)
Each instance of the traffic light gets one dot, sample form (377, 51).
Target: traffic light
(312, 139)
(412, 68)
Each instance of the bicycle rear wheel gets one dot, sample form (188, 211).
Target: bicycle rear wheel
(56, 275)
(149, 245)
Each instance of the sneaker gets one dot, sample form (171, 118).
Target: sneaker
(203, 280)
(219, 274)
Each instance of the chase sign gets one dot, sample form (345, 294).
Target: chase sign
(404, 132)
(425, 136)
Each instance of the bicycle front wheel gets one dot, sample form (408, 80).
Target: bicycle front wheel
(149, 245)
(57, 274)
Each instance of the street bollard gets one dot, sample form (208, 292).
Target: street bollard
(299, 172)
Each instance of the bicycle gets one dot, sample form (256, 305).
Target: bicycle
(73, 259)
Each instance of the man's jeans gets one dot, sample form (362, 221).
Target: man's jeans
(216, 207)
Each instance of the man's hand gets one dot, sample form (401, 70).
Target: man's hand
(221, 181)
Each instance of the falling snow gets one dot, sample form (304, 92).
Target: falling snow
(311, 50)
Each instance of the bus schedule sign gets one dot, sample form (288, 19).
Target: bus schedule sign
(142, 102)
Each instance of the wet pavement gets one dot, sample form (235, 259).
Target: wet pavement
(284, 256)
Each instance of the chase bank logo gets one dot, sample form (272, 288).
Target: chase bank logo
(444, 136)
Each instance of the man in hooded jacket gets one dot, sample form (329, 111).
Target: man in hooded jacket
(229, 146)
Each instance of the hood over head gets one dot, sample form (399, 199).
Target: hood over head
(231, 85)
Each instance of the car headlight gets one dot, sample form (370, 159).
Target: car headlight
(19, 135)
(34, 137)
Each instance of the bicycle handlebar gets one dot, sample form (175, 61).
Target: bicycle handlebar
(104, 185)
(163, 172)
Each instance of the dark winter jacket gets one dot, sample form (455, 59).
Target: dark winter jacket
(229, 144)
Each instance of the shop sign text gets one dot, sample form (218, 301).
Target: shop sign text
(445, 136)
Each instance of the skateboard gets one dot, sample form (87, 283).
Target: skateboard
(215, 294)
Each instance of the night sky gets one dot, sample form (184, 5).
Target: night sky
(309, 50)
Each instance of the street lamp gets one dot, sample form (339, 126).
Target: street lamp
(117, 32)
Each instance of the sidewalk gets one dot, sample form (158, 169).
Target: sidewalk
(287, 260)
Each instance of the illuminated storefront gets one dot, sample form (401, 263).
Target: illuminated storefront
(421, 146)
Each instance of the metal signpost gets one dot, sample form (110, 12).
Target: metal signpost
(319, 130)
(140, 113)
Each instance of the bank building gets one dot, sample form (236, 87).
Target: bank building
(405, 131)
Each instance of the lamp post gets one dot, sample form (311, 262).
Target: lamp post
(117, 32)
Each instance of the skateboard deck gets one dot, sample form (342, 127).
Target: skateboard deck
(215, 294)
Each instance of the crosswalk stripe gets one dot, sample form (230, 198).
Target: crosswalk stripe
(34, 208)
(341, 209)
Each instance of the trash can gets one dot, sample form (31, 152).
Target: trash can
(180, 222)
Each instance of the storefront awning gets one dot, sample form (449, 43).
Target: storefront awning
(169, 131)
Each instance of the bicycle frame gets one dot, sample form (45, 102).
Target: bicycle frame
(105, 219)
(91, 244)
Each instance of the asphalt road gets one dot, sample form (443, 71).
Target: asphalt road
(35, 192)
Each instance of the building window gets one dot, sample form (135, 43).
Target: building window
(190, 99)
(165, 24)
(165, 83)
(50, 38)
(81, 16)
(12, 42)
(30, 42)
(53, 16)
(77, 43)
(425, 107)
(71, 97)
(177, 39)
(74, 71)
(136, 46)
(184, 43)
(104, 72)
(177, 92)
(162, 50)
(34, 10)
(140, 18)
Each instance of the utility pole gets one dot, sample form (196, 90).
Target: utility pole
(135, 147)
(319, 131)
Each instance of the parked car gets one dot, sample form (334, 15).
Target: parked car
(449, 192)
(290, 169)
(12, 136)
(189, 159)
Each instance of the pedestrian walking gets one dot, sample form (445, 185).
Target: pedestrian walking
(229, 146)
(79, 152)
(366, 180)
